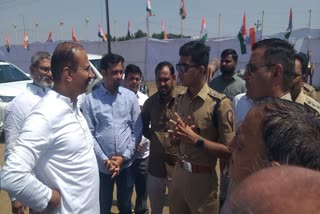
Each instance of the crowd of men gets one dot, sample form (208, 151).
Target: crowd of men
(207, 145)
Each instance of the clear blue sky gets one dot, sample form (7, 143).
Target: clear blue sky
(48, 13)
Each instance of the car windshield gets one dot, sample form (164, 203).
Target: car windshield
(96, 63)
(9, 73)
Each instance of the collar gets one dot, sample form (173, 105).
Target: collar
(103, 90)
(287, 96)
(202, 93)
(301, 98)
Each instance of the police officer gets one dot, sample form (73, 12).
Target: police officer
(195, 180)
(297, 93)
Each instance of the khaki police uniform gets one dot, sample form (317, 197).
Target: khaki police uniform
(309, 103)
(310, 91)
(155, 116)
(195, 180)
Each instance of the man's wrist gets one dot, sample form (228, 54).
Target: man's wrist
(200, 142)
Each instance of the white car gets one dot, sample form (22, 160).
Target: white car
(13, 81)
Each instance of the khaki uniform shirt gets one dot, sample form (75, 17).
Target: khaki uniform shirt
(200, 109)
(310, 91)
(155, 116)
(311, 104)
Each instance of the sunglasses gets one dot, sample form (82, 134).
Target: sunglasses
(250, 68)
(183, 68)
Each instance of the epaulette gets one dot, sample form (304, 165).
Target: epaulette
(308, 88)
(216, 95)
(312, 103)
(180, 93)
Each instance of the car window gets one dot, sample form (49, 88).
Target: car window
(96, 63)
(9, 73)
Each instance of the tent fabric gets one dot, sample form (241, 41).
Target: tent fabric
(148, 52)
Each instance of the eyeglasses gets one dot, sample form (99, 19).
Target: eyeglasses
(250, 68)
(45, 68)
(183, 68)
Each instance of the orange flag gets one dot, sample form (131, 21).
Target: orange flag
(7, 43)
(165, 36)
(26, 41)
(252, 36)
(74, 38)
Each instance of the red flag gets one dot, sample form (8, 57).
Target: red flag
(26, 41)
(252, 36)
(244, 26)
(7, 43)
(183, 13)
(74, 38)
(49, 37)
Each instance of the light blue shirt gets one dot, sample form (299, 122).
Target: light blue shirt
(115, 123)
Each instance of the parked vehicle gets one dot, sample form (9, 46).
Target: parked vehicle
(13, 81)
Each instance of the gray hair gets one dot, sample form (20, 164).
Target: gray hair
(40, 55)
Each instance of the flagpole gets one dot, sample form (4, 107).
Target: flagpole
(61, 26)
(16, 32)
(108, 26)
(115, 24)
(262, 23)
(219, 25)
(181, 27)
(309, 27)
(148, 35)
(86, 20)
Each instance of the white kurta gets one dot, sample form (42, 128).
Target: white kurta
(55, 143)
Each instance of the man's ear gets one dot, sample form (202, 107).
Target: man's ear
(174, 77)
(67, 74)
(277, 75)
(31, 68)
(202, 70)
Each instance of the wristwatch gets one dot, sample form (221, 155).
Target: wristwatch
(199, 143)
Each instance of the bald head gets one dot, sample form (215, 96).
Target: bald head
(284, 189)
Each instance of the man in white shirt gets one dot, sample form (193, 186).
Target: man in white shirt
(56, 144)
(269, 73)
(132, 81)
(17, 110)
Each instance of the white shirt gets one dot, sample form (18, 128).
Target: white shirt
(241, 105)
(55, 143)
(145, 151)
(16, 112)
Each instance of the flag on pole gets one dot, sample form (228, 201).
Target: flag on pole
(129, 30)
(49, 37)
(289, 29)
(165, 36)
(183, 13)
(242, 34)
(26, 41)
(7, 43)
(252, 34)
(149, 9)
(101, 34)
(203, 32)
(74, 38)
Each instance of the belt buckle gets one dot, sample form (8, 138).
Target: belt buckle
(187, 165)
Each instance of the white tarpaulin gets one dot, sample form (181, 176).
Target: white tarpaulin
(147, 53)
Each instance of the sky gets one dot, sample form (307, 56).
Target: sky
(39, 17)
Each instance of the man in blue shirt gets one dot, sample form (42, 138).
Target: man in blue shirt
(113, 116)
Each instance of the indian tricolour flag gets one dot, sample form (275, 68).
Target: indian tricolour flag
(289, 29)
(242, 34)
(203, 32)
(165, 36)
(149, 9)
